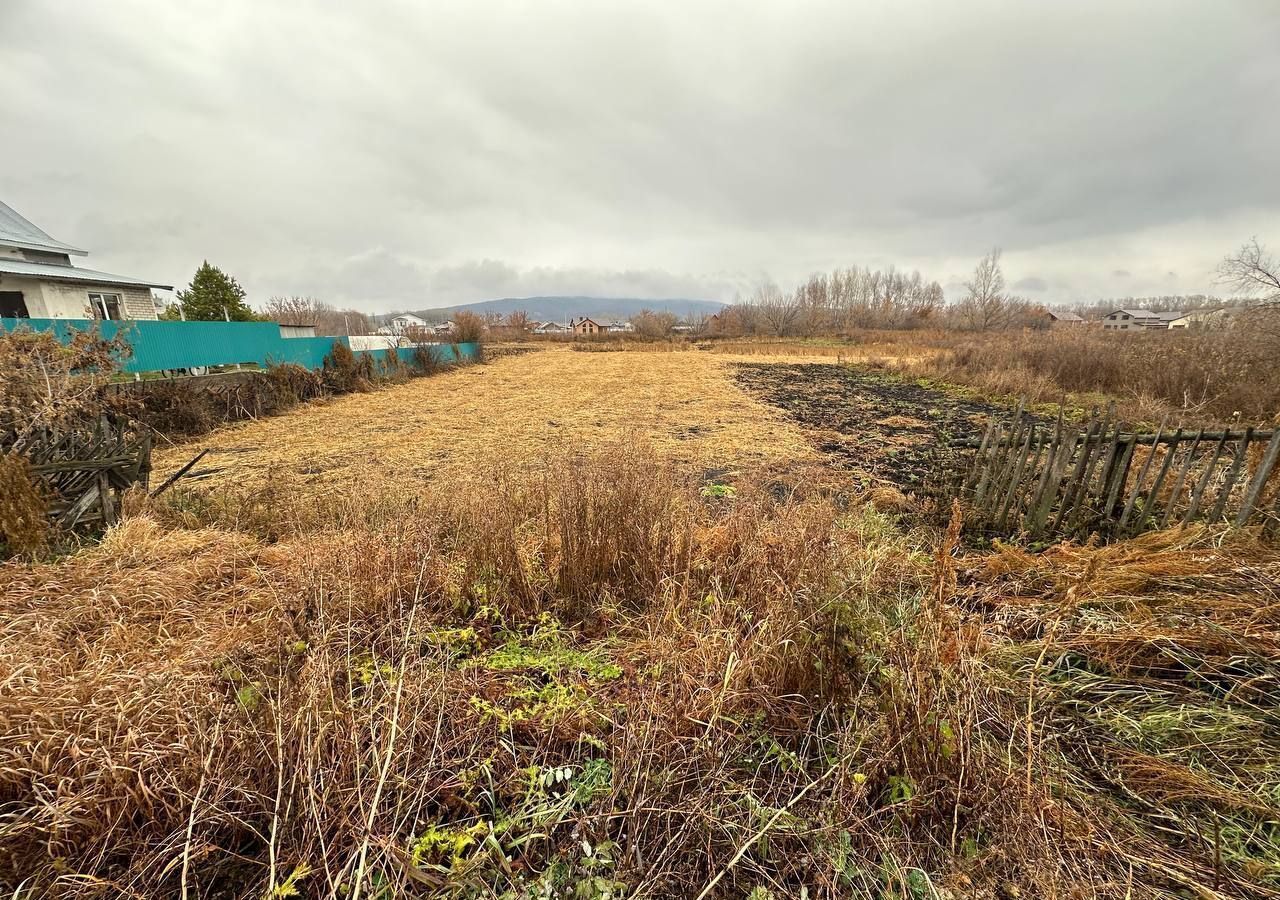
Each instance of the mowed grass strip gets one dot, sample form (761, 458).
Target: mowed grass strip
(518, 410)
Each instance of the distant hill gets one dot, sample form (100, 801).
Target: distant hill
(557, 309)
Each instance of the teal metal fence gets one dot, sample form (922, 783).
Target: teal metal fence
(164, 346)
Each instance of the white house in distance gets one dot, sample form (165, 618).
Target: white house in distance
(37, 279)
(403, 323)
(1213, 317)
(1136, 319)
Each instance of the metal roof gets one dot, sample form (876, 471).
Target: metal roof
(72, 273)
(15, 231)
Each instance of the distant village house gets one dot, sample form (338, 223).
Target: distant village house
(1218, 317)
(404, 323)
(1058, 318)
(1137, 319)
(584, 326)
(37, 279)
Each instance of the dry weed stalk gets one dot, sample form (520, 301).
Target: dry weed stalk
(610, 681)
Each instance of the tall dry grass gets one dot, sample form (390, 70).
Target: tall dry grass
(1194, 375)
(612, 681)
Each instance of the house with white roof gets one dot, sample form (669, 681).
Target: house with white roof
(406, 322)
(1138, 319)
(38, 280)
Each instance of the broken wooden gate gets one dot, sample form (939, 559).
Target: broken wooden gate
(85, 470)
(1043, 478)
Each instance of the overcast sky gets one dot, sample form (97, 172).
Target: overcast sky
(402, 154)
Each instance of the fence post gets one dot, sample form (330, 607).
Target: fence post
(1260, 477)
(1224, 492)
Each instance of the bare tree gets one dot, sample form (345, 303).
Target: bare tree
(1253, 272)
(986, 306)
(292, 310)
(777, 311)
(653, 325)
(310, 311)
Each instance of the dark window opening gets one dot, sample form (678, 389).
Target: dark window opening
(13, 305)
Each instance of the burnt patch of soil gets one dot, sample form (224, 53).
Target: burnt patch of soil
(889, 428)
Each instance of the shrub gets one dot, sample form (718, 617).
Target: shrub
(344, 373)
(298, 382)
(470, 328)
(426, 361)
(47, 384)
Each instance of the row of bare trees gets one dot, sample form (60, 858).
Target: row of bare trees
(856, 298)
(843, 300)
(328, 319)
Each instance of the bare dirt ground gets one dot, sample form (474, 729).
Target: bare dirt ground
(888, 427)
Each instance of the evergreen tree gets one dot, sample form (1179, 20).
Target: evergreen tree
(212, 292)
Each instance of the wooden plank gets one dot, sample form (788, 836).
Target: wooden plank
(1114, 483)
(1229, 483)
(1181, 479)
(971, 479)
(1008, 461)
(1105, 448)
(106, 500)
(83, 465)
(172, 479)
(1165, 467)
(1197, 492)
(82, 505)
(1254, 492)
(993, 457)
(1157, 438)
(1142, 474)
(1041, 502)
(1015, 482)
(1073, 482)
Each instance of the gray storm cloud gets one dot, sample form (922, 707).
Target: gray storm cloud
(396, 154)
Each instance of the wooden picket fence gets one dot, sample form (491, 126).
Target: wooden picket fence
(1056, 478)
(85, 470)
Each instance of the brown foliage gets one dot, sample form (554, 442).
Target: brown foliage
(470, 328)
(714, 687)
(1208, 373)
(309, 311)
(24, 524)
(46, 384)
(344, 373)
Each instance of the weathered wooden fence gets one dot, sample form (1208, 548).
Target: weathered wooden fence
(85, 470)
(1052, 478)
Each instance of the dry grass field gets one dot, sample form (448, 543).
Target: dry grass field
(547, 628)
(518, 410)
